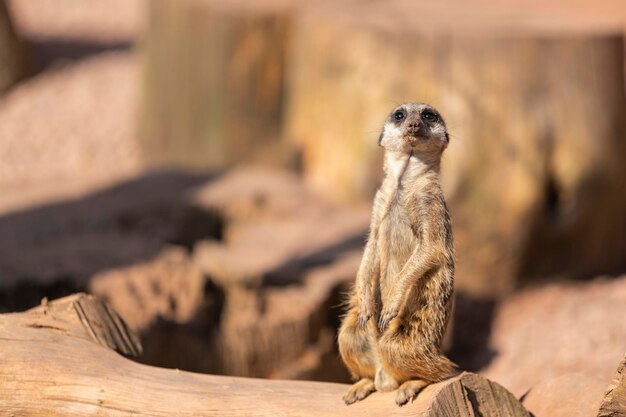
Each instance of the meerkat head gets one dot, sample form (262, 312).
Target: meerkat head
(414, 127)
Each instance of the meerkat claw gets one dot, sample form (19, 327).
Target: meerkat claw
(363, 319)
(364, 316)
(382, 323)
(385, 319)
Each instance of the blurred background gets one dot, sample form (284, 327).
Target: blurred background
(208, 167)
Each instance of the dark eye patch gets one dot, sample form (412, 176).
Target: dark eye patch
(398, 115)
(430, 116)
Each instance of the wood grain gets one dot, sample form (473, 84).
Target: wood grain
(213, 89)
(51, 365)
(614, 403)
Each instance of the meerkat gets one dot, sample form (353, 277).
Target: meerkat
(390, 338)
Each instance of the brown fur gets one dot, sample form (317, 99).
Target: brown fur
(402, 301)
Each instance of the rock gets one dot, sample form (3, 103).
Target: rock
(542, 333)
(570, 395)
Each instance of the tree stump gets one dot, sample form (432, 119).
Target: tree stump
(261, 292)
(213, 87)
(52, 365)
(535, 106)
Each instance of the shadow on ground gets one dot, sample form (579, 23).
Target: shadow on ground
(43, 54)
(471, 328)
(54, 249)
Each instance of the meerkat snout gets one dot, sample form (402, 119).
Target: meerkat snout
(413, 127)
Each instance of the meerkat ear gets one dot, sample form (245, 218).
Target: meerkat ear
(380, 138)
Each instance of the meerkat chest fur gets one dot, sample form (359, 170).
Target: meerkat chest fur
(404, 170)
(405, 189)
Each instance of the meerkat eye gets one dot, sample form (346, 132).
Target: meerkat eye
(399, 115)
(429, 116)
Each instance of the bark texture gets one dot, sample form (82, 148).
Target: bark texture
(213, 88)
(535, 166)
(614, 402)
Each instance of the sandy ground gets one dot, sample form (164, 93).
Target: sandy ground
(70, 126)
(75, 121)
(104, 21)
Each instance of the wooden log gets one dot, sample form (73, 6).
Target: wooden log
(213, 88)
(80, 316)
(12, 58)
(50, 367)
(535, 106)
(614, 402)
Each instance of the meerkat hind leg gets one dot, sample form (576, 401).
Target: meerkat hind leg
(409, 390)
(359, 390)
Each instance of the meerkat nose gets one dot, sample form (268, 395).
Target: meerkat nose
(413, 127)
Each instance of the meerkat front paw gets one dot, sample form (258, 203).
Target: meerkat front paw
(364, 316)
(359, 390)
(366, 309)
(388, 314)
